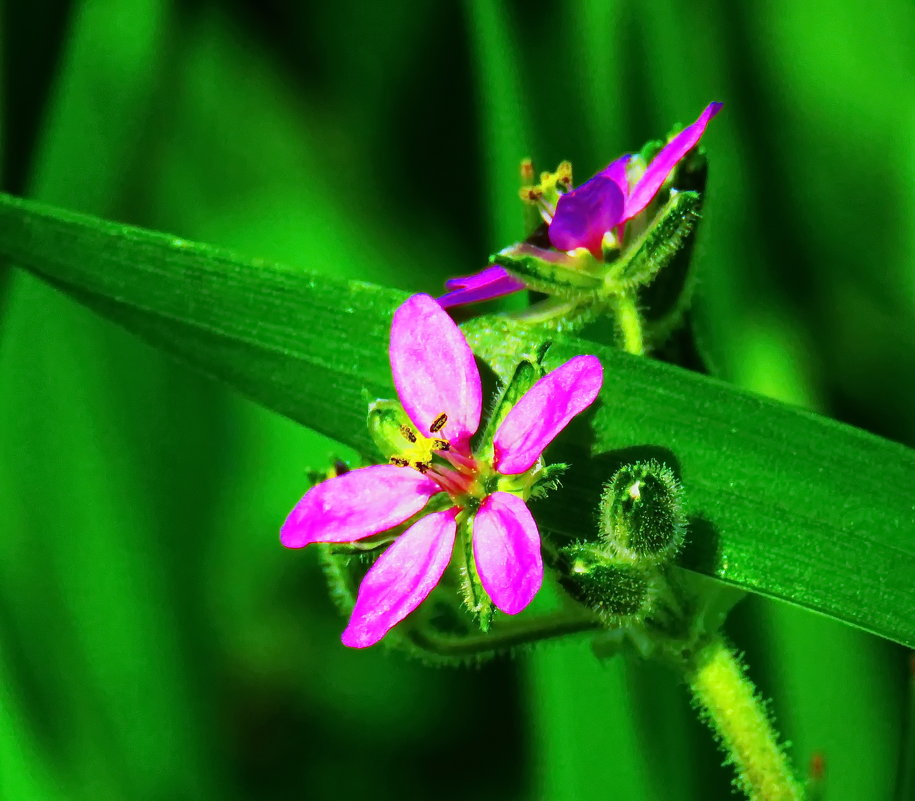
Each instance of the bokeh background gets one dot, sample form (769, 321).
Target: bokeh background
(155, 640)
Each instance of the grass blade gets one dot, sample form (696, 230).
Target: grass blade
(783, 502)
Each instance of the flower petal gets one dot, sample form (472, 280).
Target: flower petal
(586, 213)
(543, 411)
(401, 578)
(616, 172)
(506, 549)
(434, 370)
(357, 504)
(666, 160)
(493, 282)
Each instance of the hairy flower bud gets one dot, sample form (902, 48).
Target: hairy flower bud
(641, 514)
(619, 593)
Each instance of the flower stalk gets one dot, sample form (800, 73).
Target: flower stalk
(629, 324)
(731, 706)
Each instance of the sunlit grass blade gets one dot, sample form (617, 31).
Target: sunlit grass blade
(783, 502)
(91, 625)
(504, 124)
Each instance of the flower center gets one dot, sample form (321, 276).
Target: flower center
(458, 473)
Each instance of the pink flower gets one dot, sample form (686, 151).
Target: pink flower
(581, 217)
(439, 388)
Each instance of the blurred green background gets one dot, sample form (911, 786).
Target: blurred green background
(155, 640)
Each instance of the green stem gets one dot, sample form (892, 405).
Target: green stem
(731, 706)
(629, 322)
(505, 635)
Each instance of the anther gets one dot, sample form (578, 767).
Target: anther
(399, 462)
(438, 423)
(441, 445)
(421, 466)
(407, 433)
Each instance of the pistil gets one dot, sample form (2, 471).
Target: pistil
(451, 481)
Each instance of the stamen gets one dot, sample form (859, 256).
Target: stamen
(407, 433)
(564, 176)
(438, 423)
(423, 467)
(441, 445)
(399, 462)
(466, 464)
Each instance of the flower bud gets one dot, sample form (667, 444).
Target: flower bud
(619, 593)
(641, 514)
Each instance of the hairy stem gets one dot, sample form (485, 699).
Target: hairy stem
(732, 707)
(507, 634)
(629, 323)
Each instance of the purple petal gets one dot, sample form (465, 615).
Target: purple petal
(666, 160)
(506, 548)
(616, 172)
(356, 505)
(586, 213)
(543, 411)
(434, 370)
(493, 282)
(401, 578)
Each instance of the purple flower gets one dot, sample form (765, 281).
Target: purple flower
(581, 217)
(439, 388)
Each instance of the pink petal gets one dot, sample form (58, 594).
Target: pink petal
(586, 213)
(434, 370)
(401, 578)
(506, 548)
(544, 410)
(357, 504)
(666, 160)
(493, 282)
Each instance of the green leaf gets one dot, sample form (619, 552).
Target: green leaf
(781, 502)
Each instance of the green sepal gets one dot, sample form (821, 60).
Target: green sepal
(550, 271)
(476, 599)
(342, 572)
(386, 419)
(547, 480)
(655, 248)
(651, 149)
(527, 372)
(560, 315)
